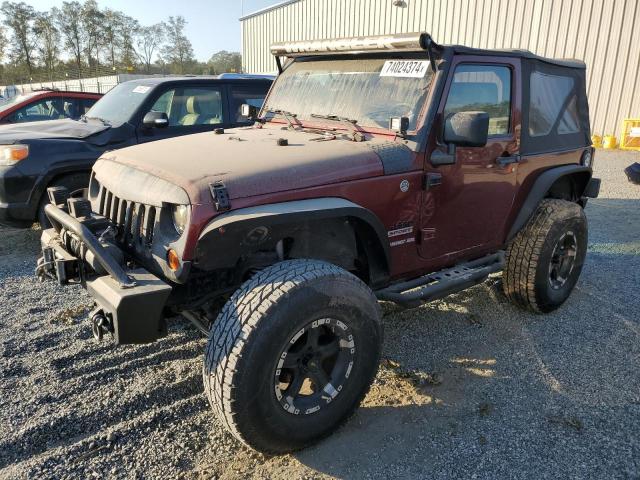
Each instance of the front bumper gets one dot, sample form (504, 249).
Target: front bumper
(129, 302)
(15, 215)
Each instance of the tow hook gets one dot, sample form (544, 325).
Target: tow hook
(100, 325)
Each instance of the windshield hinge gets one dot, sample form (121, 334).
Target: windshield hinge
(220, 196)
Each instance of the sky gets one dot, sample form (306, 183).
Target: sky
(213, 25)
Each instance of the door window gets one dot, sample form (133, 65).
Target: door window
(191, 106)
(46, 109)
(483, 88)
(245, 94)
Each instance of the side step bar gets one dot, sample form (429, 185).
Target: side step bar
(437, 285)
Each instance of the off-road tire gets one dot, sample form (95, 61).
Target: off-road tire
(73, 182)
(526, 279)
(245, 343)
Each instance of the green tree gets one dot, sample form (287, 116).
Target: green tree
(149, 41)
(69, 22)
(92, 24)
(3, 44)
(127, 31)
(47, 39)
(178, 51)
(18, 17)
(223, 61)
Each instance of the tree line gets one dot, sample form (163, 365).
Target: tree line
(80, 39)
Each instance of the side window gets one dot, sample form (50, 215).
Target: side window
(245, 94)
(550, 95)
(191, 106)
(163, 104)
(87, 103)
(47, 109)
(71, 108)
(485, 88)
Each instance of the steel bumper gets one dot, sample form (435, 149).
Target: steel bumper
(129, 302)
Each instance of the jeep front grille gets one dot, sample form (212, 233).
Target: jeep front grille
(135, 221)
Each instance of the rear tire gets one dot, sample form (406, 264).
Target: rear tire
(76, 184)
(545, 259)
(255, 374)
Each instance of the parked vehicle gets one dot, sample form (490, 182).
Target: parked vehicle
(386, 168)
(61, 153)
(45, 104)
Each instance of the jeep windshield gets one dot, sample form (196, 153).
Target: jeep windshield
(369, 91)
(119, 105)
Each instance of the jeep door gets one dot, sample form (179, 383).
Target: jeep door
(466, 203)
(191, 108)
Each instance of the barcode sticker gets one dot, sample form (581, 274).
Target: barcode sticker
(405, 68)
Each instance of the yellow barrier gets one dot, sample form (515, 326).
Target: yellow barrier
(596, 141)
(609, 141)
(630, 134)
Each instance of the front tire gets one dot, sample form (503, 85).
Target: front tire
(292, 354)
(545, 259)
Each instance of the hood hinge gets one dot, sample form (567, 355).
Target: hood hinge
(220, 196)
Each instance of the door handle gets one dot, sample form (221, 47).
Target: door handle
(504, 161)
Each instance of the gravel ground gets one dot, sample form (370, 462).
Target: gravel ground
(470, 386)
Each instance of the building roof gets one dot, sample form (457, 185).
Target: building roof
(267, 9)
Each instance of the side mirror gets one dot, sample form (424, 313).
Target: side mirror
(249, 111)
(156, 120)
(467, 129)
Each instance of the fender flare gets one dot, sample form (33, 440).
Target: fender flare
(540, 188)
(281, 214)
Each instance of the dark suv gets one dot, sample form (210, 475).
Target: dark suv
(61, 153)
(383, 168)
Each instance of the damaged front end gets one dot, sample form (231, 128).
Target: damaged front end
(80, 248)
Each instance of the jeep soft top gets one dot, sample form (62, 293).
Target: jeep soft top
(388, 168)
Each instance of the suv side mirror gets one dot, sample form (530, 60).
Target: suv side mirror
(249, 111)
(467, 129)
(156, 120)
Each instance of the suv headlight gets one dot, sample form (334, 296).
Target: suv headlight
(12, 154)
(180, 215)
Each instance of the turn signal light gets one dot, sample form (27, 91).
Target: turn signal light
(173, 260)
(10, 154)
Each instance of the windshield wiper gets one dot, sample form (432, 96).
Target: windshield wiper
(287, 115)
(357, 135)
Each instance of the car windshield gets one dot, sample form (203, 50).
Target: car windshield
(119, 105)
(369, 91)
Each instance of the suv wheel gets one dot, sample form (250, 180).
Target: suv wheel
(292, 354)
(76, 183)
(545, 259)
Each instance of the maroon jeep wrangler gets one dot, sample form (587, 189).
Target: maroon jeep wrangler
(380, 168)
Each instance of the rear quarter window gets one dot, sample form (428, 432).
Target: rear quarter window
(551, 95)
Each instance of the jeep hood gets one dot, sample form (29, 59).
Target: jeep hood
(250, 162)
(58, 129)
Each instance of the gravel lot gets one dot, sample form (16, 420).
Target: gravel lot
(469, 387)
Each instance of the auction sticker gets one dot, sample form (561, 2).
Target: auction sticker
(405, 68)
(141, 89)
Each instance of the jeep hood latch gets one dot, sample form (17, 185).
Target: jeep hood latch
(220, 196)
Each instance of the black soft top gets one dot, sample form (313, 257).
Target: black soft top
(561, 62)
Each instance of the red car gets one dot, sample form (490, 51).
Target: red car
(46, 105)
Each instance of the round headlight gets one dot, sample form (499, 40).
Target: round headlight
(180, 214)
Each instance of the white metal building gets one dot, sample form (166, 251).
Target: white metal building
(605, 34)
